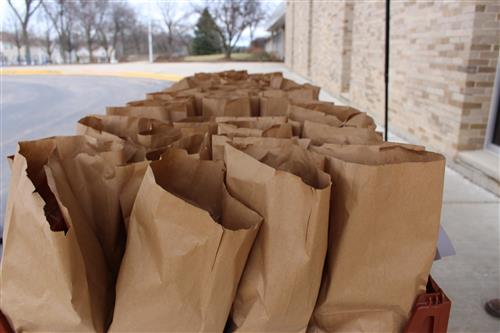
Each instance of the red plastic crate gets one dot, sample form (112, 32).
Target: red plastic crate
(431, 312)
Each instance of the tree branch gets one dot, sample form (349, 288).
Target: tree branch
(15, 10)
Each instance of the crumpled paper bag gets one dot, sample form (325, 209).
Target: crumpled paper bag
(188, 241)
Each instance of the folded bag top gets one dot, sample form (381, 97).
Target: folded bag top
(188, 241)
(126, 127)
(201, 183)
(143, 134)
(293, 159)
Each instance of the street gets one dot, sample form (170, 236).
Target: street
(39, 106)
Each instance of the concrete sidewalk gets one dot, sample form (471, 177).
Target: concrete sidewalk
(470, 215)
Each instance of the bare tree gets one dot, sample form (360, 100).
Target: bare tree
(104, 41)
(15, 36)
(90, 16)
(49, 43)
(255, 17)
(175, 23)
(30, 7)
(45, 34)
(232, 18)
(62, 15)
(137, 40)
(118, 24)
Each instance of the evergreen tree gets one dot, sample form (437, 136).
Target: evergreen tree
(206, 38)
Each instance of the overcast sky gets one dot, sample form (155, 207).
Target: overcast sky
(145, 8)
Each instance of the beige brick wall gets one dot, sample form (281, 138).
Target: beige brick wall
(328, 21)
(428, 58)
(290, 28)
(480, 68)
(442, 63)
(300, 36)
(367, 59)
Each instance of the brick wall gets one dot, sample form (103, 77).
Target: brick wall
(328, 21)
(300, 36)
(367, 59)
(442, 63)
(290, 28)
(480, 75)
(428, 71)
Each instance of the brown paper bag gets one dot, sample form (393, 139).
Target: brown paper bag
(196, 125)
(172, 95)
(162, 95)
(228, 105)
(384, 225)
(113, 128)
(288, 84)
(254, 104)
(258, 127)
(58, 262)
(164, 113)
(229, 75)
(187, 102)
(185, 83)
(320, 134)
(273, 106)
(198, 99)
(280, 284)
(305, 92)
(298, 115)
(196, 145)
(143, 133)
(187, 244)
(342, 112)
(131, 176)
(360, 120)
(158, 135)
(198, 95)
(219, 141)
(349, 116)
(263, 121)
(231, 130)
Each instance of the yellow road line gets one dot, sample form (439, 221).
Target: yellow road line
(30, 72)
(142, 75)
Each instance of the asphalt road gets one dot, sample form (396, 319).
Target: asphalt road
(40, 106)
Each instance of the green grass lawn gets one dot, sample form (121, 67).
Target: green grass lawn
(220, 57)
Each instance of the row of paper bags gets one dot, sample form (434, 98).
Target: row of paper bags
(301, 221)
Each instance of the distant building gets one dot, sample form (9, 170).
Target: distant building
(258, 45)
(275, 44)
(99, 55)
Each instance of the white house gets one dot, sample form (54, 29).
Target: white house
(275, 45)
